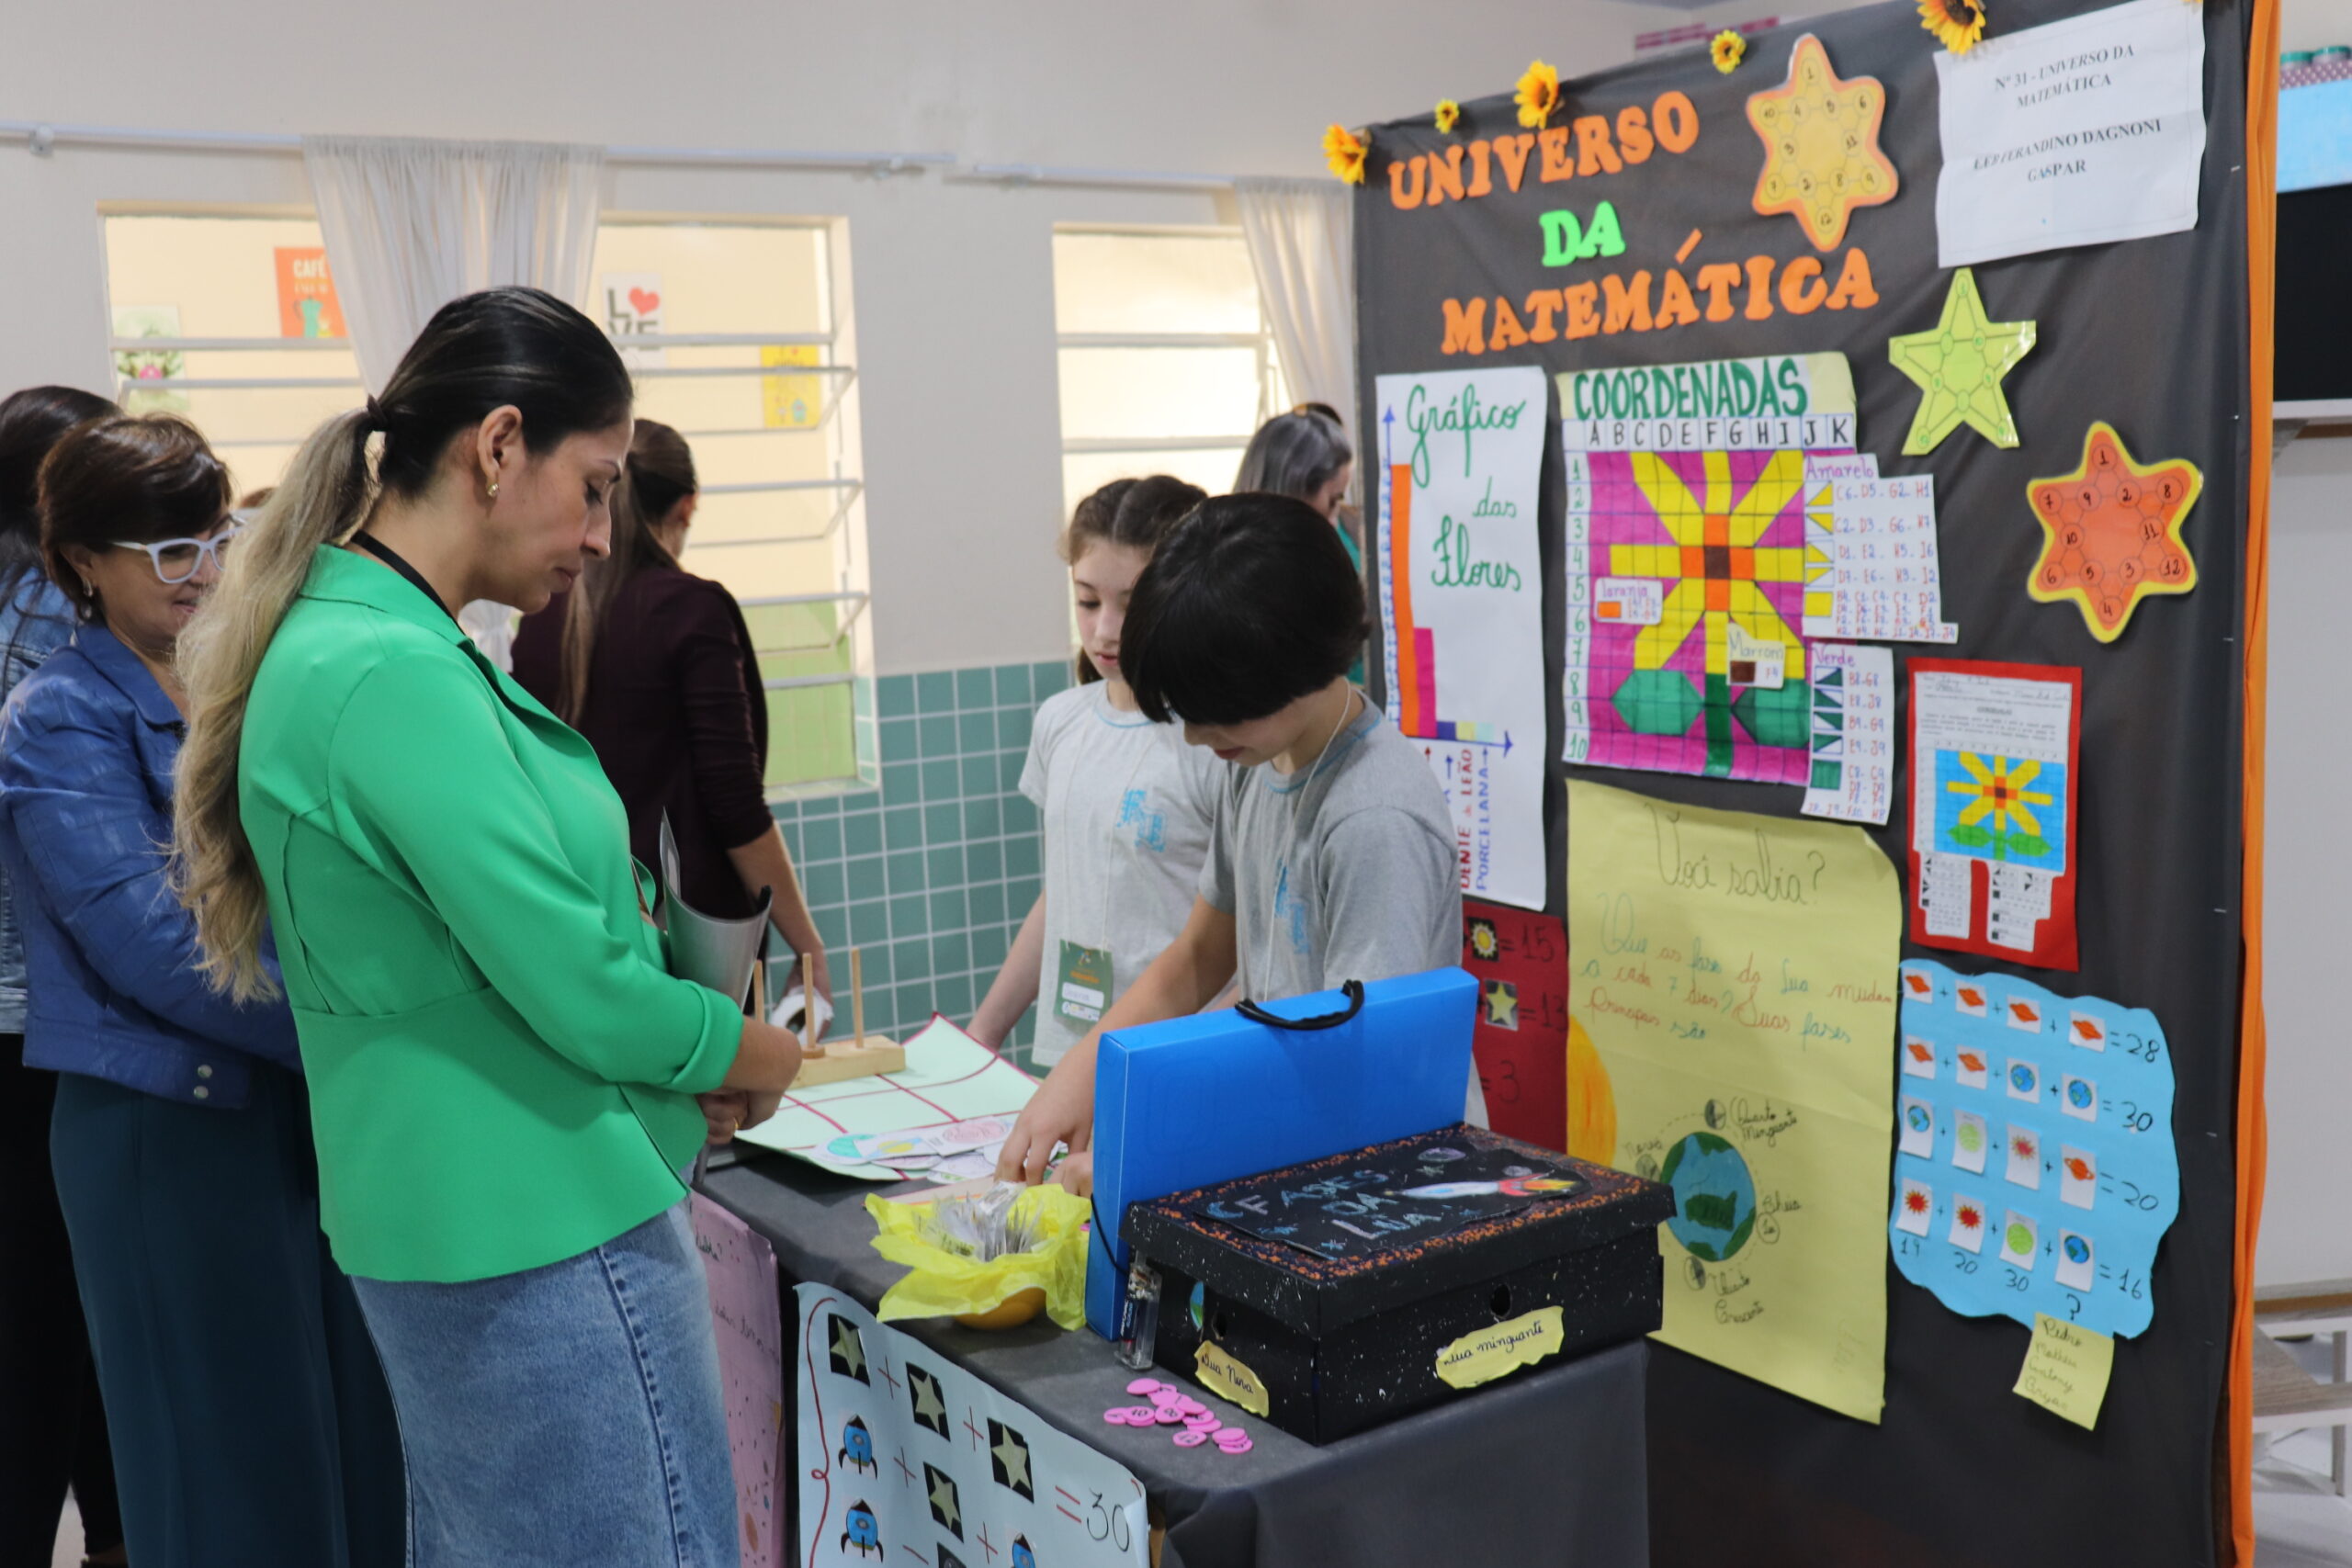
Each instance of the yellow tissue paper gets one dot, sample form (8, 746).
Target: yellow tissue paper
(943, 1284)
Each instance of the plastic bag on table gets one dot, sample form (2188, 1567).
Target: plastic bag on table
(970, 1257)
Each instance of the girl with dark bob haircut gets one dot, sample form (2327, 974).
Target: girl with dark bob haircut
(1332, 858)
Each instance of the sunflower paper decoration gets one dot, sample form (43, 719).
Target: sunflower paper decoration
(1344, 151)
(1538, 95)
(1449, 115)
(1728, 50)
(1957, 24)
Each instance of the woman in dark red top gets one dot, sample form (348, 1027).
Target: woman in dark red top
(655, 667)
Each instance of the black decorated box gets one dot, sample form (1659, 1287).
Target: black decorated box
(1331, 1296)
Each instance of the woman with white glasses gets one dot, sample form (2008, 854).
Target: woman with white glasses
(250, 1420)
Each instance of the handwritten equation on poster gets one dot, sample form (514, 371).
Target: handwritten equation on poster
(903, 1454)
(2036, 1172)
(1735, 975)
(1520, 961)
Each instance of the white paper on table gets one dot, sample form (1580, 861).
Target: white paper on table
(949, 1077)
(2072, 133)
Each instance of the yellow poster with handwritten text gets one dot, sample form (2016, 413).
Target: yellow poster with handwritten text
(1736, 974)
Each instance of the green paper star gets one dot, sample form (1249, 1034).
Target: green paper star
(1959, 368)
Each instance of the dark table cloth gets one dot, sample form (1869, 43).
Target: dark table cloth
(1547, 1468)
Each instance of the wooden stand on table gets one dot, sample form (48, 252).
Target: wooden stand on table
(860, 1056)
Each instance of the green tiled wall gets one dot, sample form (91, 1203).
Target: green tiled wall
(933, 872)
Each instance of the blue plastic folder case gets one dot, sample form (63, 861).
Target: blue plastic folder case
(1216, 1096)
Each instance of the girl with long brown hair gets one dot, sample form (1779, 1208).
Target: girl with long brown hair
(655, 666)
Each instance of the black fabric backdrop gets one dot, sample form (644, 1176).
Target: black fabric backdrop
(2151, 336)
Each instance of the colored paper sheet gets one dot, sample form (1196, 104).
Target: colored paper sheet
(2071, 1097)
(747, 1318)
(2315, 136)
(1993, 808)
(1520, 961)
(1822, 158)
(307, 303)
(1736, 975)
(2072, 134)
(950, 1077)
(2111, 532)
(2066, 1370)
(1853, 733)
(633, 308)
(1685, 524)
(1461, 469)
(1872, 567)
(905, 1455)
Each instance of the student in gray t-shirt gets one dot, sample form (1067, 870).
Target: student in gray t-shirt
(1332, 858)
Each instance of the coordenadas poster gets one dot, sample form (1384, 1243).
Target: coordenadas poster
(1461, 463)
(1736, 974)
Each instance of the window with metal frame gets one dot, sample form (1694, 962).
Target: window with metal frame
(1167, 362)
(731, 327)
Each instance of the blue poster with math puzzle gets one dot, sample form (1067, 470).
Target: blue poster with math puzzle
(2034, 1168)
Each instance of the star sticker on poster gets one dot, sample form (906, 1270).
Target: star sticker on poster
(1959, 367)
(846, 1353)
(1009, 1459)
(1820, 153)
(946, 1511)
(2111, 532)
(923, 1393)
(1501, 997)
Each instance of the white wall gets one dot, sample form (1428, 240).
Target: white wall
(2307, 868)
(952, 282)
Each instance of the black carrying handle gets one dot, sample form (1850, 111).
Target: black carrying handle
(1352, 990)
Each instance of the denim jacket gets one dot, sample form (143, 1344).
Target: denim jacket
(87, 746)
(34, 623)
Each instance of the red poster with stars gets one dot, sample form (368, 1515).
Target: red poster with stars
(1520, 961)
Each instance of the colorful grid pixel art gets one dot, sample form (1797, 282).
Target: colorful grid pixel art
(1708, 673)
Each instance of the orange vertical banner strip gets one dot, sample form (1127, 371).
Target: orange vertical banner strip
(2252, 1130)
(1408, 696)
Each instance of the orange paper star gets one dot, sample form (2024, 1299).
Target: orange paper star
(2111, 532)
(1820, 153)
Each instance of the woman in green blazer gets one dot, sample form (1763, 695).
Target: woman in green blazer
(505, 1076)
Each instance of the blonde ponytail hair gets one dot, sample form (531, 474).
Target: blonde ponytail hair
(322, 500)
(516, 347)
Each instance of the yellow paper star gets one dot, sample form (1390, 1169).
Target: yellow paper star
(1820, 153)
(1959, 367)
(1502, 1005)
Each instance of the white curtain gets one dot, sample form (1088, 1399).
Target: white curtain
(1302, 247)
(412, 223)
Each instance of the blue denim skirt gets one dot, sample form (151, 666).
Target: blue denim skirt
(568, 1414)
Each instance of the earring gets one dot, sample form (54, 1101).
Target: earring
(493, 489)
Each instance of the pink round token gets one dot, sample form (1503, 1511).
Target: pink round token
(1241, 1444)
(1116, 1418)
(1142, 1386)
(1141, 1416)
(1167, 1416)
(1203, 1423)
(1166, 1398)
(1192, 1407)
(1190, 1439)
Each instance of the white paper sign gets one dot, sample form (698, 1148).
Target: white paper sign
(1853, 735)
(1461, 454)
(632, 305)
(906, 1457)
(2074, 133)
